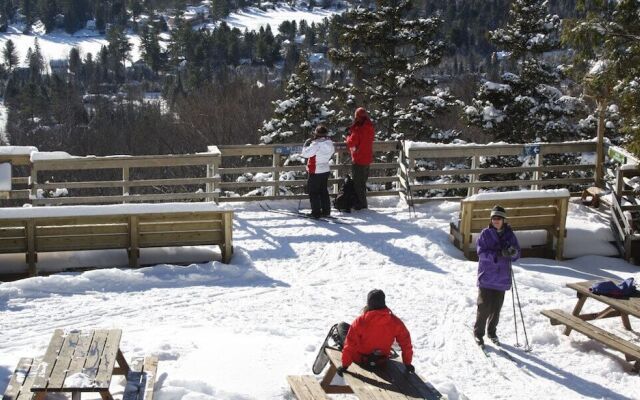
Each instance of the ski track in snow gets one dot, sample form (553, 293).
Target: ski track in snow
(231, 336)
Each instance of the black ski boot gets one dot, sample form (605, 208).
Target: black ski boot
(495, 340)
(479, 341)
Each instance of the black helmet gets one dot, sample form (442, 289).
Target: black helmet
(375, 300)
(498, 211)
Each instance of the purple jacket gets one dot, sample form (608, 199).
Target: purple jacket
(494, 269)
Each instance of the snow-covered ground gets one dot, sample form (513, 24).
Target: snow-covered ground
(236, 331)
(56, 45)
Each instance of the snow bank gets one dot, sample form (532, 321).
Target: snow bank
(521, 194)
(5, 177)
(50, 155)
(111, 209)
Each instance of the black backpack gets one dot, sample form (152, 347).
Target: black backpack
(346, 197)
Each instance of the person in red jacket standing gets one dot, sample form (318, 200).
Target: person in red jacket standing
(369, 338)
(360, 144)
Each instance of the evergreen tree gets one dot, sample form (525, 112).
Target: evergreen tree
(151, 51)
(388, 53)
(527, 104)
(136, 9)
(48, 10)
(75, 63)
(295, 116)
(28, 9)
(7, 12)
(219, 9)
(10, 55)
(35, 62)
(119, 49)
(607, 57)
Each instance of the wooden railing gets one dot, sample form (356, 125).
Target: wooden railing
(21, 168)
(469, 178)
(197, 183)
(215, 175)
(273, 157)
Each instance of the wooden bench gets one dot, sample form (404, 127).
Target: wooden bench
(625, 213)
(19, 387)
(526, 210)
(130, 227)
(306, 387)
(389, 382)
(141, 379)
(630, 350)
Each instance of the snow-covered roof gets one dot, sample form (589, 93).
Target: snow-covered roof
(520, 194)
(111, 209)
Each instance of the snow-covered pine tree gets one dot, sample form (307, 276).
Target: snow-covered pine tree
(388, 50)
(295, 116)
(606, 41)
(527, 104)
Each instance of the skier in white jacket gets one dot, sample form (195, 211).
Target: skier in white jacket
(318, 151)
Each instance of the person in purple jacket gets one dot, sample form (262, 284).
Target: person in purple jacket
(497, 247)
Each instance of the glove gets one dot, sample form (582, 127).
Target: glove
(307, 142)
(341, 370)
(509, 252)
(410, 369)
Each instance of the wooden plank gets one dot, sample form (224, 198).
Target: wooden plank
(80, 354)
(81, 220)
(519, 223)
(123, 199)
(118, 162)
(501, 171)
(92, 242)
(59, 372)
(13, 245)
(514, 203)
(177, 238)
(306, 387)
(128, 183)
(12, 232)
(26, 393)
(201, 226)
(45, 367)
(227, 246)
(485, 212)
(183, 216)
(108, 358)
(610, 340)
(16, 384)
(96, 348)
(80, 230)
(150, 372)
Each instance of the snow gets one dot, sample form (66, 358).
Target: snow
(522, 194)
(5, 177)
(17, 150)
(236, 331)
(111, 209)
(50, 155)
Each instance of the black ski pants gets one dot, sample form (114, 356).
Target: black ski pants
(489, 306)
(319, 194)
(360, 175)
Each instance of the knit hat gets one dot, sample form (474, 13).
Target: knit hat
(360, 114)
(375, 300)
(498, 211)
(321, 130)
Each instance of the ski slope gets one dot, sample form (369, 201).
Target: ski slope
(236, 331)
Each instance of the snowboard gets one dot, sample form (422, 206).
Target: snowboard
(322, 358)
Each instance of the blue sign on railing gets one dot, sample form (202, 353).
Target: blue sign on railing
(286, 150)
(531, 149)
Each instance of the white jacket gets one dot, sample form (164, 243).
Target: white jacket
(318, 154)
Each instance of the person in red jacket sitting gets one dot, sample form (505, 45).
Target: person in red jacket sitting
(369, 338)
(360, 144)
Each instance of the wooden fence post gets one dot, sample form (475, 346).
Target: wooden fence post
(125, 181)
(32, 255)
(475, 161)
(536, 173)
(134, 250)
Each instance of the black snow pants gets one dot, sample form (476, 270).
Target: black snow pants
(319, 194)
(489, 306)
(360, 175)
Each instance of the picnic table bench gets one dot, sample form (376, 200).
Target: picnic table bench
(79, 362)
(614, 308)
(526, 210)
(390, 382)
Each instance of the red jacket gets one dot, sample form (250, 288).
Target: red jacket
(360, 142)
(376, 329)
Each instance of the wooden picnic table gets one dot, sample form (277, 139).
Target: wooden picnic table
(80, 361)
(615, 307)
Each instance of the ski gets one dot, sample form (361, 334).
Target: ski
(329, 219)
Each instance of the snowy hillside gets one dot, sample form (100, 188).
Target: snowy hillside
(236, 331)
(56, 45)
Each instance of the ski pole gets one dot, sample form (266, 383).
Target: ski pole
(527, 347)
(513, 302)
